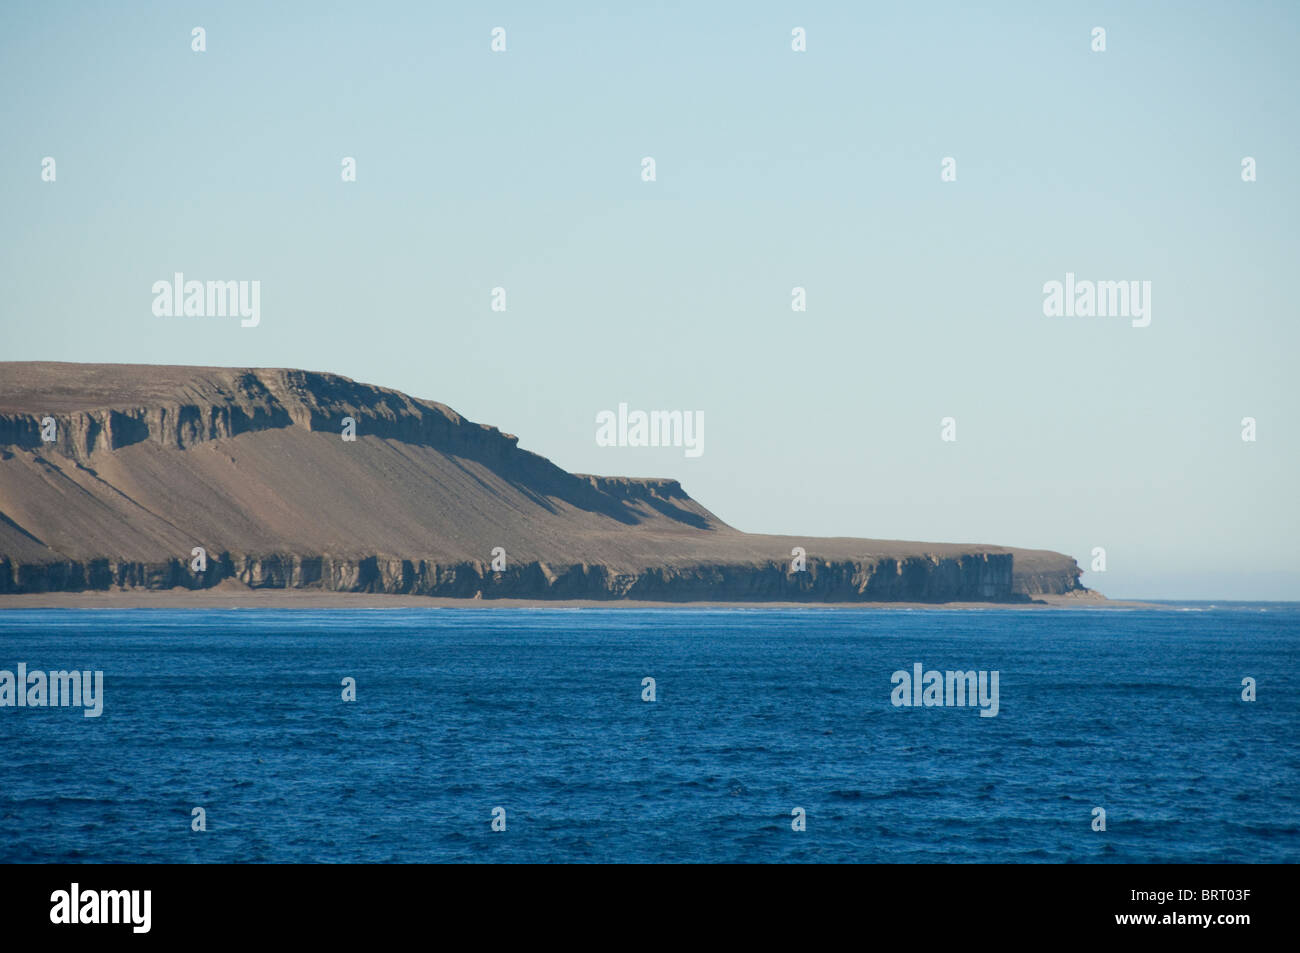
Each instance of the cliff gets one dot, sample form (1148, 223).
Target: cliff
(149, 462)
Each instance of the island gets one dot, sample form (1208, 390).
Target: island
(122, 478)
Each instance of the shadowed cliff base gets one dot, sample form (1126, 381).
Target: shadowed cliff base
(148, 463)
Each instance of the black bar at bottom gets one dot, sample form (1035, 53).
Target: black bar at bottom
(332, 902)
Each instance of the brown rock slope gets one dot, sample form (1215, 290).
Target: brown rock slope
(149, 462)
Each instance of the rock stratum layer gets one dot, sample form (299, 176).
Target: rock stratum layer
(149, 462)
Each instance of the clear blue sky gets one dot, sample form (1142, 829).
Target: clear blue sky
(775, 169)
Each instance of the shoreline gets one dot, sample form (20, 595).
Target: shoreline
(244, 598)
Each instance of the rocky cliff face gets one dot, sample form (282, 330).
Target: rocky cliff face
(976, 578)
(221, 403)
(149, 462)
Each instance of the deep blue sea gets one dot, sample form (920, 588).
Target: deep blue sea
(757, 712)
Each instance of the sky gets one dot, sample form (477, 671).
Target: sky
(774, 169)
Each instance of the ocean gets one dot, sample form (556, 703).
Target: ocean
(535, 721)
